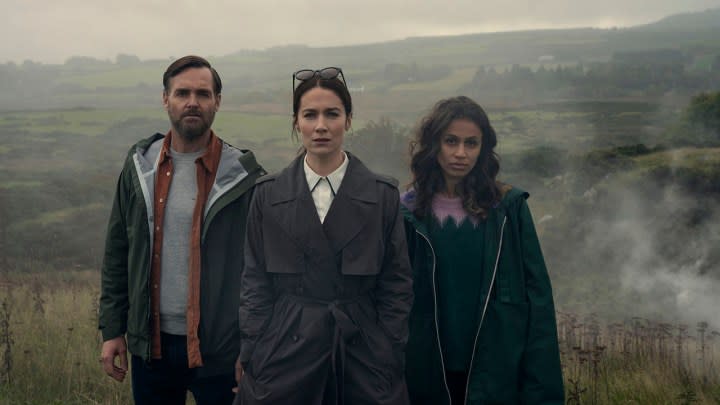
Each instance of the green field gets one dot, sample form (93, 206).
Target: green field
(90, 122)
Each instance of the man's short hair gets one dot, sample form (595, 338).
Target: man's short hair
(187, 62)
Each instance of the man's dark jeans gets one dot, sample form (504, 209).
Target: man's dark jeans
(167, 380)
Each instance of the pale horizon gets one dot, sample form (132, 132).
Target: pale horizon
(52, 32)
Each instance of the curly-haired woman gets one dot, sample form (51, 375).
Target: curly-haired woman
(482, 328)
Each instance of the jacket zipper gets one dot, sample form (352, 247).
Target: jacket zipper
(437, 327)
(149, 305)
(482, 316)
(141, 180)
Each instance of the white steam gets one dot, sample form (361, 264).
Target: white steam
(664, 257)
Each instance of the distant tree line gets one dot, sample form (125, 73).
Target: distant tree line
(651, 73)
(627, 74)
(398, 73)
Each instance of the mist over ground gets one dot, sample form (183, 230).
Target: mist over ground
(649, 252)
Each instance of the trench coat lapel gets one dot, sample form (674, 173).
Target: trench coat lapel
(296, 213)
(352, 207)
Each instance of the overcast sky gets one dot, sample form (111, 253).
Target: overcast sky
(51, 31)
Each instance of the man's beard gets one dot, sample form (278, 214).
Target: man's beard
(193, 131)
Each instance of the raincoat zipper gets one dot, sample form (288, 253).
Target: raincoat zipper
(437, 327)
(143, 186)
(482, 316)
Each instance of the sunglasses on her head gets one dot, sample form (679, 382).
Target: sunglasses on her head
(327, 73)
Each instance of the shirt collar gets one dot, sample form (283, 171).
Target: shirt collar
(335, 178)
(209, 159)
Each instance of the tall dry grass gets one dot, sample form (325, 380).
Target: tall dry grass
(50, 349)
(54, 348)
(638, 361)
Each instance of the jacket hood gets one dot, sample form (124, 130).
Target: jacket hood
(234, 167)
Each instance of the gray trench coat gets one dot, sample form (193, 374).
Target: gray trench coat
(324, 306)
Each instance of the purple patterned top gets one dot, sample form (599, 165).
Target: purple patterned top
(444, 207)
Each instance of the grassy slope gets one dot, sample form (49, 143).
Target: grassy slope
(56, 350)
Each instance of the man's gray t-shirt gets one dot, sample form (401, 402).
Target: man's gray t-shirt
(177, 227)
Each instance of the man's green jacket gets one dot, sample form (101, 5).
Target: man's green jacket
(125, 292)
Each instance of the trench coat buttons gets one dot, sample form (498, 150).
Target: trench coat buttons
(295, 338)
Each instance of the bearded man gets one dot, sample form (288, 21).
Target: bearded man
(174, 251)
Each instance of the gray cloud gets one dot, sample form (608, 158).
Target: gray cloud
(50, 31)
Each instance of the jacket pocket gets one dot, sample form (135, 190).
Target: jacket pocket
(423, 367)
(496, 369)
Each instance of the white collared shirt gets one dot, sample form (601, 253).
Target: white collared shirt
(323, 189)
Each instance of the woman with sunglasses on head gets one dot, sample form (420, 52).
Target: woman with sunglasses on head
(326, 290)
(482, 329)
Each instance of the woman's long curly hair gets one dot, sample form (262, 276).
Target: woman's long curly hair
(478, 189)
